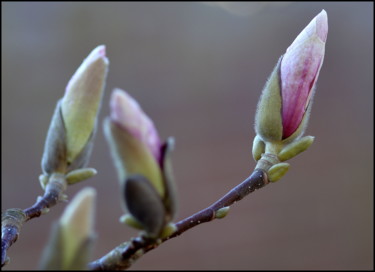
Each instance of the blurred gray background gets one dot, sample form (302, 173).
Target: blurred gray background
(198, 71)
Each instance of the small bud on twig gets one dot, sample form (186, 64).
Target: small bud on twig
(285, 104)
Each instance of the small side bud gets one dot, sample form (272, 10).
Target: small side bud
(221, 213)
(78, 175)
(44, 210)
(258, 148)
(129, 220)
(277, 171)
(43, 180)
(168, 230)
(295, 147)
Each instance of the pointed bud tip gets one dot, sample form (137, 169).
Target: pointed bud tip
(80, 206)
(98, 52)
(122, 106)
(322, 25)
(128, 114)
(101, 50)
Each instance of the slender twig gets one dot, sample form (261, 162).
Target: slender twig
(123, 256)
(12, 219)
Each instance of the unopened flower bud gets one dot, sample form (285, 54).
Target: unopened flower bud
(137, 144)
(284, 106)
(283, 109)
(143, 165)
(258, 148)
(71, 242)
(82, 99)
(299, 72)
(70, 136)
(126, 112)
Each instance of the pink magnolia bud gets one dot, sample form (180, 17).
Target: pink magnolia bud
(143, 165)
(127, 113)
(299, 72)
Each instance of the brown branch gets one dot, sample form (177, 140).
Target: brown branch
(12, 219)
(123, 256)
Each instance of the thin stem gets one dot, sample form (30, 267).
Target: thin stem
(123, 256)
(13, 219)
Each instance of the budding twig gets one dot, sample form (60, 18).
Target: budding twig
(123, 256)
(13, 219)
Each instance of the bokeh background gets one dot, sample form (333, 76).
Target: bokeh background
(198, 69)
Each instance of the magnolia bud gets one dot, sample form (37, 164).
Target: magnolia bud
(143, 165)
(71, 241)
(82, 99)
(134, 141)
(70, 136)
(299, 72)
(277, 171)
(284, 106)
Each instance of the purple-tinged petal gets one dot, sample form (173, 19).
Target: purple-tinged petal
(126, 112)
(299, 72)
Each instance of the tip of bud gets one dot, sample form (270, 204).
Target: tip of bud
(300, 70)
(322, 25)
(98, 52)
(80, 209)
(128, 114)
(124, 108)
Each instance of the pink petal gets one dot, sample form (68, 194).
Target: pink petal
(126, 112)
(300, 68)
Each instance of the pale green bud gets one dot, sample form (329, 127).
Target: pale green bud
(43, 180)
(70, 136)
(294, 148)
(82, 99)
(221, 213)
(258, 148)
(277, 171)
(129, 220)
(168, 230)
(80, 175)
(71, 241)
(77, 224)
